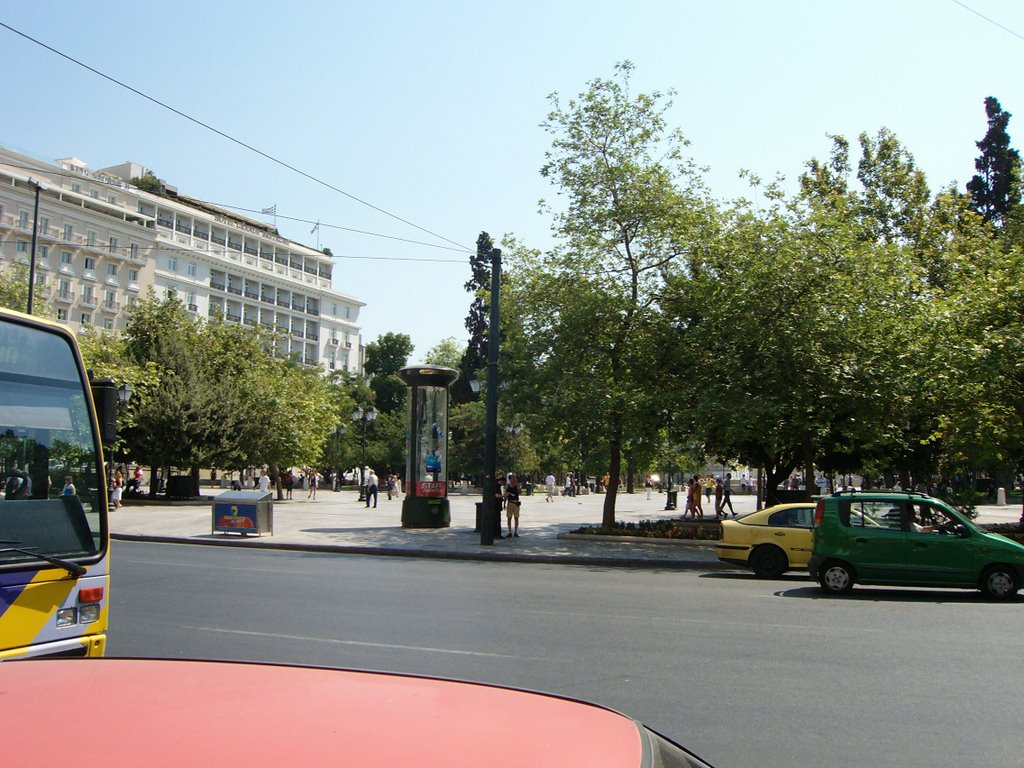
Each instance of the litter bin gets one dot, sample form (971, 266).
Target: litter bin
(244, 512)
(528, 487)
(670, 499)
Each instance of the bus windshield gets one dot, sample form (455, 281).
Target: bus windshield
(51, 492)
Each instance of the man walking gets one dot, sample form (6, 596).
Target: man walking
(371, 489)
(727, 494)
(549, 481)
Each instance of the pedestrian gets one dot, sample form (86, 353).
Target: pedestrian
(727, 494)
(709, 486)
(69, 487)
(512, 504)
(264, 481)
(391, 484)
(313, 477)
(549, 481)
(289, 483)
(649, 485)
(696, 489)
(117, 488)
(499, 504)
(568, 485)
(371, 489)
(688, 509)
(719, 495)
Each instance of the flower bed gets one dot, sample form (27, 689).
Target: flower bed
(655, 529)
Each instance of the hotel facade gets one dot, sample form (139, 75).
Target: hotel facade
(102, 243)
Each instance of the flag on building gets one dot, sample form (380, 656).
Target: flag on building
(271, 211)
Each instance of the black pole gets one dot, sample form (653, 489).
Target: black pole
(487, 527)
(32, 256)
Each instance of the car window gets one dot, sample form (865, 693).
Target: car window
(872, 513)
(792, 518)
(927, 518)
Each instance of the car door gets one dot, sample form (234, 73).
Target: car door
(877, 541)
(936, 552)
(791, 529)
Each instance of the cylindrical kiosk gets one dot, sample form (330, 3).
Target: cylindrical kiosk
(426, 459)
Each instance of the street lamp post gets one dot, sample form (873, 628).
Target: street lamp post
(32, 255)
(361, 416)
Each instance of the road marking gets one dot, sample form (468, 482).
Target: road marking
(335, 641)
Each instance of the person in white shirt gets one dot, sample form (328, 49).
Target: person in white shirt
(264, 481)
(550, 482)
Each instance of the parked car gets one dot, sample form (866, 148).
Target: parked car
(886, 537)
(771, 541)
(206, 713)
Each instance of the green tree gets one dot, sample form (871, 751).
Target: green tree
(385, 357)
(583, 314)
(996, 188)
(14, 287)
(447, 352)
(474, 358)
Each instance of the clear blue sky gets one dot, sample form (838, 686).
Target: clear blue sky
(431, 111)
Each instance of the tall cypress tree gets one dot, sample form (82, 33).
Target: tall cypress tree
(995, 189)
(475, 356)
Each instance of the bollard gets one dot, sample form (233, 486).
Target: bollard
(1000, 497)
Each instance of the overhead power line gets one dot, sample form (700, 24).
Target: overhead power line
(231, 138)
(990, 21)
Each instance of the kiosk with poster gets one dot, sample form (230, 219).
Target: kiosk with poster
(426, 479)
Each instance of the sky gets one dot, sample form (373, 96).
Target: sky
(407, 128)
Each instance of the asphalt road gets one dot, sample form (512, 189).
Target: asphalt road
(744, 672)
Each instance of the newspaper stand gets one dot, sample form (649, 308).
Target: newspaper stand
(244, 512)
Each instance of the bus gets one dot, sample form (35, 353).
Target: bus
(54, 539)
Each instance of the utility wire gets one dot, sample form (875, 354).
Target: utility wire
(232, 139)
(990, 21)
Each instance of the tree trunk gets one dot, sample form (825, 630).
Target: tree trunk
(614, 470)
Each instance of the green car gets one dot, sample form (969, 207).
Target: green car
(909, 539)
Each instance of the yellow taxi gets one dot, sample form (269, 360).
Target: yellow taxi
(771, 541)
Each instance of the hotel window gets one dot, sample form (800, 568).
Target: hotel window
(134, 250)
(90, 263)
(86, 318)
(87, 293)
(108, 299)
(44, 224)
(191, 269)
(90, 238)
(94, 194)
(111, 199)
(42, 251)
(130, 302)
(133, 275)
(172, 293)
(21, 246)
(22, 219)
(112, 270)
(172, 264)
(69, 233)
(113, 246)
(66, 257)
(62, 314)
(76, 187)
(108, 323)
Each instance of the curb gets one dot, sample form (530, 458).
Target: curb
(599, 538)
(483, 556)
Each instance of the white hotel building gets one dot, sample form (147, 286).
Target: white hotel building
(102, 243)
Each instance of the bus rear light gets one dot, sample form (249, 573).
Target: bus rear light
(90, 595)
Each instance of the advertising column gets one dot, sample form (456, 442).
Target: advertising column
(426, 475)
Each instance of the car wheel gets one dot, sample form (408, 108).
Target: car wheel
(1000, 582)
(769, 562)
(836, 578)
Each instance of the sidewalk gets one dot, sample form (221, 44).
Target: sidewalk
(338, 522)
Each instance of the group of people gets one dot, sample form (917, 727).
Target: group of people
(707, 486)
